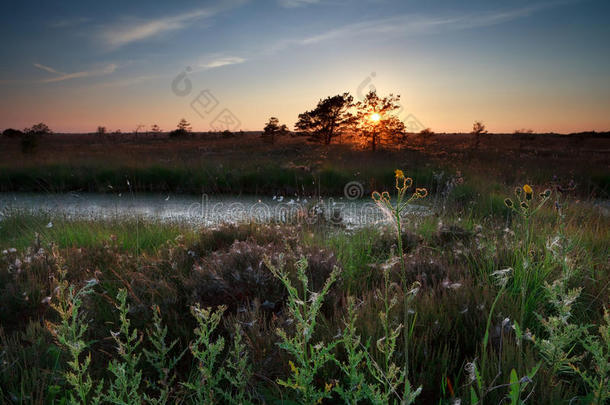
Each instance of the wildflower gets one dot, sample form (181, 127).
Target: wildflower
(294, 370)
(508, 202)
(328, 387)
(399, 174)
(524, 205)
(50, 225)
(527, 189)
(414, 288)
(502, 276)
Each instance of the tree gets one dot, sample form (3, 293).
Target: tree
(426, 132)
(328, 120)
(155, 129)
(31, 137)
(39, 129)
(184, 125)
(376, 121)
(273, 129)
(12, 133)
(101, 130)
(425, 136)
(478, 128)
(183, 129)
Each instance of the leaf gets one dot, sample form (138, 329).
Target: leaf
(473, 397)
(514, 388)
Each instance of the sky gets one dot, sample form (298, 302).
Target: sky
(77, 65)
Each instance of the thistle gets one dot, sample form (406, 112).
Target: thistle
(524, 201)
(384, 201)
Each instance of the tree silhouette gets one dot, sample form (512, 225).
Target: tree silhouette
(478, 128)
(183, 129)
(376, 121)
(101, 130)
(425, 136)
(39, 129)
(273, 129)
(31, 137)
(155, 129)
(12, 133)
(328, 120)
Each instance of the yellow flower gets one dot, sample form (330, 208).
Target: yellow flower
(328, 387)
(527, 189)
(399, 174)
(293, 368)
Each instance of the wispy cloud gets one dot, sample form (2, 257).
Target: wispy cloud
(48, 69)
(222, 61)
(296, 3)
(130, 30)
(69, 22)
(416, 24)
(60, 76)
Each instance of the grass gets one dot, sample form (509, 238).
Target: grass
(261, 313)
(452, 256)
(203, 164)
(20, 229)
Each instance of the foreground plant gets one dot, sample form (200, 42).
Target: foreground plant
(309, 357)
(237, 372)
(125, 384)
(389, 375)
(526, 206)
(161, 360)
(70, 335)
(356, 388)
(598, 348)
(207, 352)
(395, 210)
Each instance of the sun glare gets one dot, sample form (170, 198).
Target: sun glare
(375, 117)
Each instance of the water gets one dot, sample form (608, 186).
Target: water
(199, 210)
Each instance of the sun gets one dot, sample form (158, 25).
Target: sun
(375, 117)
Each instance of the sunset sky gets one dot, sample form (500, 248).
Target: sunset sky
(74, 65)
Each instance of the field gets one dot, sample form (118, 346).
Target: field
(214, 164)
(484, 301)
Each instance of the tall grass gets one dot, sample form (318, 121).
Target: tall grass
(471, 304)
